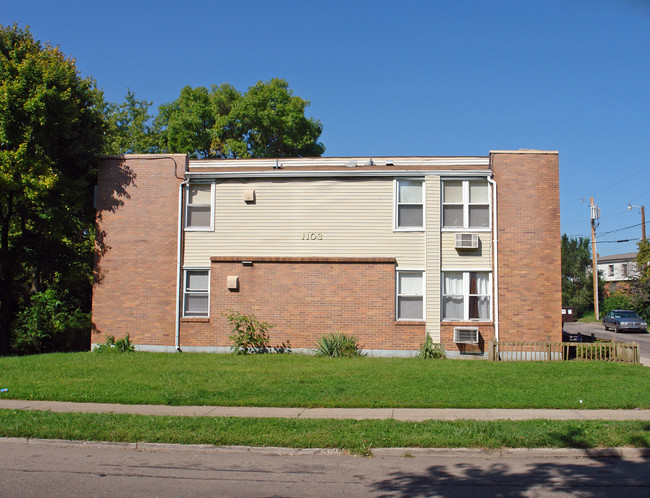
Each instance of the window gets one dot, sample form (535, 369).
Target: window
(624, 268)
(410, 298)
(200, 206)
(466, 295)
(196, 297)
(465, 204)
(611, 270)
(409, 212)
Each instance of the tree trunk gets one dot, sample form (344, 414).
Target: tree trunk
(6, 291)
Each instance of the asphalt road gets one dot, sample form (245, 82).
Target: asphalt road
(641, 338)
(46, 468)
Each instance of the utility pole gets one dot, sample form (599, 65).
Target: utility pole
(642, 209)
(643, 223)
(595, 215)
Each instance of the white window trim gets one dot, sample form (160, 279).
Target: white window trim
(465, 273)
(398, 270)
(195, 268)
(396, 204)
(212, 208)
(465, 185)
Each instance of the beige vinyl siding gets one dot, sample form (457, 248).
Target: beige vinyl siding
(351, 217)
(432, 292)
(477, 259)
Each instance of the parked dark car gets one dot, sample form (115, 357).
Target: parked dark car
(619, 320)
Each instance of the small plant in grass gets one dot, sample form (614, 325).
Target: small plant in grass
(338, 345)
(249, 335)
(431, 350)
(123, 345)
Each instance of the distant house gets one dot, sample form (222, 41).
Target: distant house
(617, 269)
(389, 249)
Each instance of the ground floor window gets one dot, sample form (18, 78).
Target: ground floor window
(196, 293)
(410, 296)
(466, 295)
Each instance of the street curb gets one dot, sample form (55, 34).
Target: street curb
(559, 453)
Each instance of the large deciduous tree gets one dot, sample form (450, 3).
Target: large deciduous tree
(51, 128)
(186, 123)
(266, 121)
(577, 280)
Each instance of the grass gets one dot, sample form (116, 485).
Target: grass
(303, 381)
(588, 317)
(355, 436)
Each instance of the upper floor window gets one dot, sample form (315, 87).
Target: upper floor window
(465, 204)
(409, 209)
(199, 213)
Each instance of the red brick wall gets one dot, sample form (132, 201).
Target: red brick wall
(134, 291)
(307, 298)
(530, 289)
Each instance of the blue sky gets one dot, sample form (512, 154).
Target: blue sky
(438, 78)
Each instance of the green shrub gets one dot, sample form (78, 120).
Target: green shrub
(430, 350)
(249, 335)
(616, 301)
(50, 324)
(339, 346)
(122, 345)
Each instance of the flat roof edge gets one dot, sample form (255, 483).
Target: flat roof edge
(524, 151)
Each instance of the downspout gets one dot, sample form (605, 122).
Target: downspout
(495, 249)
(179, 268)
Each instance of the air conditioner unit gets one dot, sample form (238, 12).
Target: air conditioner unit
(466, 241)
(466, 335)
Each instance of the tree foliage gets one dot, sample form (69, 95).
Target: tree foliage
(577, 279)
(266, 121)
(51, 128)
(130, 128)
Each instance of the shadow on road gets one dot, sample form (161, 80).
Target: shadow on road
(591, 477)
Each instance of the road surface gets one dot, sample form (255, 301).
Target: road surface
(46, 468)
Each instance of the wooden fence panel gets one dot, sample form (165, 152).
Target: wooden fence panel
(561, 351)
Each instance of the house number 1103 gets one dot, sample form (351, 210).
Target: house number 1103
(312, 236)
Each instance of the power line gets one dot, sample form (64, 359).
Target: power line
(616, 241)
(610, 185)
(621, 229)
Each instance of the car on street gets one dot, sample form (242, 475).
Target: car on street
(619, 320)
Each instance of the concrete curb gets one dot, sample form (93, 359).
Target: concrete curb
(545, 453)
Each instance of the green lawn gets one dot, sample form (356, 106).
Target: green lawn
(588, 317)
(304, 381)
(356, 436)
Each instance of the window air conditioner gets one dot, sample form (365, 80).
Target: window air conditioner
(466, 335)
(466, 241)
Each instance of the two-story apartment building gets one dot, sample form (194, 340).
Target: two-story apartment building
(617, 270)
(388, 249)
